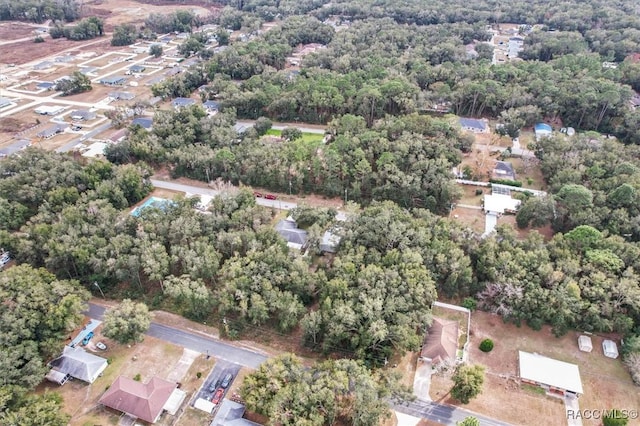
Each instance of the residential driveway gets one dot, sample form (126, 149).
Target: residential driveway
(221, 369)
(183, 365)
(422, 380)
(572, 407)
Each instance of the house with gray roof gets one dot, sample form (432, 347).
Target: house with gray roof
(144, 122)
(43, 65)
(88, 70)
(295, 237)
(137, 68)
(121, 96)
(45, 85)
(114, 80)
(182, 102)
(5, 102)
(79, 364)
(474, 125)
(504, 170)
(50, 132)
(211, 106)
(231, 413)
(82, 114)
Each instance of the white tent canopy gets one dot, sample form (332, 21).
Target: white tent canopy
(585, 344)
(610, 349)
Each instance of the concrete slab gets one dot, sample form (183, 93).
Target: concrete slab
(422, 381)
(183, 365)
(406, 420)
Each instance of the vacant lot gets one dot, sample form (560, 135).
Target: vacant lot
(472, 218)
(28, 51)
(528, 172)
(606, 382)
(15, 30)
(120, 11)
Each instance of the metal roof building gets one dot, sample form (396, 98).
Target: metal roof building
(182, 102)
(79, 364)
(115, 80)
(552, 375)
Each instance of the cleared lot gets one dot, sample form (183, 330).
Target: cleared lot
(606, 382)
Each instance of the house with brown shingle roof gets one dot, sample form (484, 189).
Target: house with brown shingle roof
(145, 401)
(441, 341)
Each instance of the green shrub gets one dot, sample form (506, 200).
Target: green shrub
(508, 182)
(198, 374)
(470, 303)
(38, 40)
(137, 377)
(486, 345)
(615, 418)
(479, 191)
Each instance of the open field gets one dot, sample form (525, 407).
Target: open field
(116, 12)
(15, 30)
(472, 218)
(606, 382)
(96, 94)
(528, 172)
(28, 51)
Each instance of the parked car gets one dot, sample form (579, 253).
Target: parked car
(226, 381)
(86, 339)
(257, 194)
(217, 396)
(214, 385)
(271, 197)
(101, 346)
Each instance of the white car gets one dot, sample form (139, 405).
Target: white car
(101, 346)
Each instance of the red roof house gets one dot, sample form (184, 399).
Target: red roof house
(142, 400)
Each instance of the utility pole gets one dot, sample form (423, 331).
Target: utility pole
(345, 196)
(95, 283)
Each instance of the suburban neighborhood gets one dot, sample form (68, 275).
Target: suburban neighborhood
(346, 212)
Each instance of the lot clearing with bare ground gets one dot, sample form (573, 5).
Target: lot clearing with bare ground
(606, 382)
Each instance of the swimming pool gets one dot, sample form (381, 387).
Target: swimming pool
(159, 203)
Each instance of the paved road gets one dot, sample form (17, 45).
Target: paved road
(196, 342)
(173, 186)
(442, 413)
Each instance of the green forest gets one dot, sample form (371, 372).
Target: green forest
(389, 83)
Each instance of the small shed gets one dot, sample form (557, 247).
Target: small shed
(610, 349)
(585, 344)
(330, 242)
(58, 377)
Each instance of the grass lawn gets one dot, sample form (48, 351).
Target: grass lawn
(606, 382)
(306, 137)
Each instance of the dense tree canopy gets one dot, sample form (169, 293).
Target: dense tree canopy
(37, 312)
(39, 10)
(289, 393)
